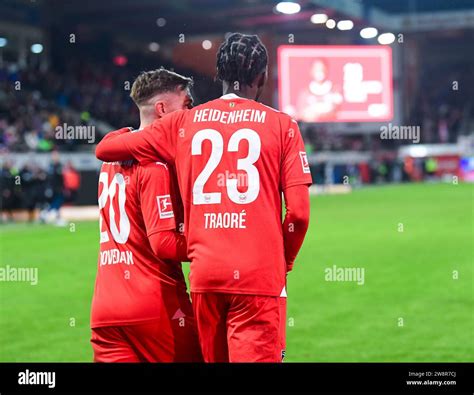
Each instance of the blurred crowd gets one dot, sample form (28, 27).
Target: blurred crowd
(443, 107)
(34, 101)
(33, 189)
(30, 111)
(317, 139)
(380, 170)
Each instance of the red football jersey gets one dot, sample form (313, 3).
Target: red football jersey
(233, 158)
(135, 201)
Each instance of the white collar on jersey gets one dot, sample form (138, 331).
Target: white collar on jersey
(230, 96)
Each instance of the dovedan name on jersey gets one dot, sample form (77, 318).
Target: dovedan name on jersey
(114, 256)
(225, 220)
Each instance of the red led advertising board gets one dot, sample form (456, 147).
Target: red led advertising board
(336, 83)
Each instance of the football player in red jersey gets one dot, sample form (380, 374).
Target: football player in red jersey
(141, 310)
(234, 159)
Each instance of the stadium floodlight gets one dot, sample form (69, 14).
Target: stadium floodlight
(386, 38)
(37, 48)
(3, 42)
(319, 18)
(288, 7)
(331, 24)
(369, 32)
(154, 47)
(345, 24)
(206, 44)
(160, 22)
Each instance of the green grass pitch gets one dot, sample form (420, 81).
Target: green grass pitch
(421, 277)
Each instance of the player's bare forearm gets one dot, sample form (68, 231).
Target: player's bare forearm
(169, 244)
(296, 221)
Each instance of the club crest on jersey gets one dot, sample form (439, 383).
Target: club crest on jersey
(165, 207)
(304, 162)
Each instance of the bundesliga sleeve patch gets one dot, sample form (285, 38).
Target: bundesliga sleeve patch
(304, 162)
(164, 206)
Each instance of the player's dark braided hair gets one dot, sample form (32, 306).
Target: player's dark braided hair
(241, 57)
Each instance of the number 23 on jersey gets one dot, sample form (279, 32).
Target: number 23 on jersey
(244, 164)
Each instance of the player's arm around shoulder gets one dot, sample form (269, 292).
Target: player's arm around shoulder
(116, 133)
(111, 148)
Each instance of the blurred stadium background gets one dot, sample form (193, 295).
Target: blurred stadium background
(398, 205)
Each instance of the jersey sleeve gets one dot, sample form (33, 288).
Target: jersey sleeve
(155, 199)
(296, 221)
(155, 142)
(295, 167)
(117, 133)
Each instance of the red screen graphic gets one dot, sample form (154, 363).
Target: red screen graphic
(336, 83)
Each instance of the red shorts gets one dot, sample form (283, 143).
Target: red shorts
(172, 338)
(239, 328)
